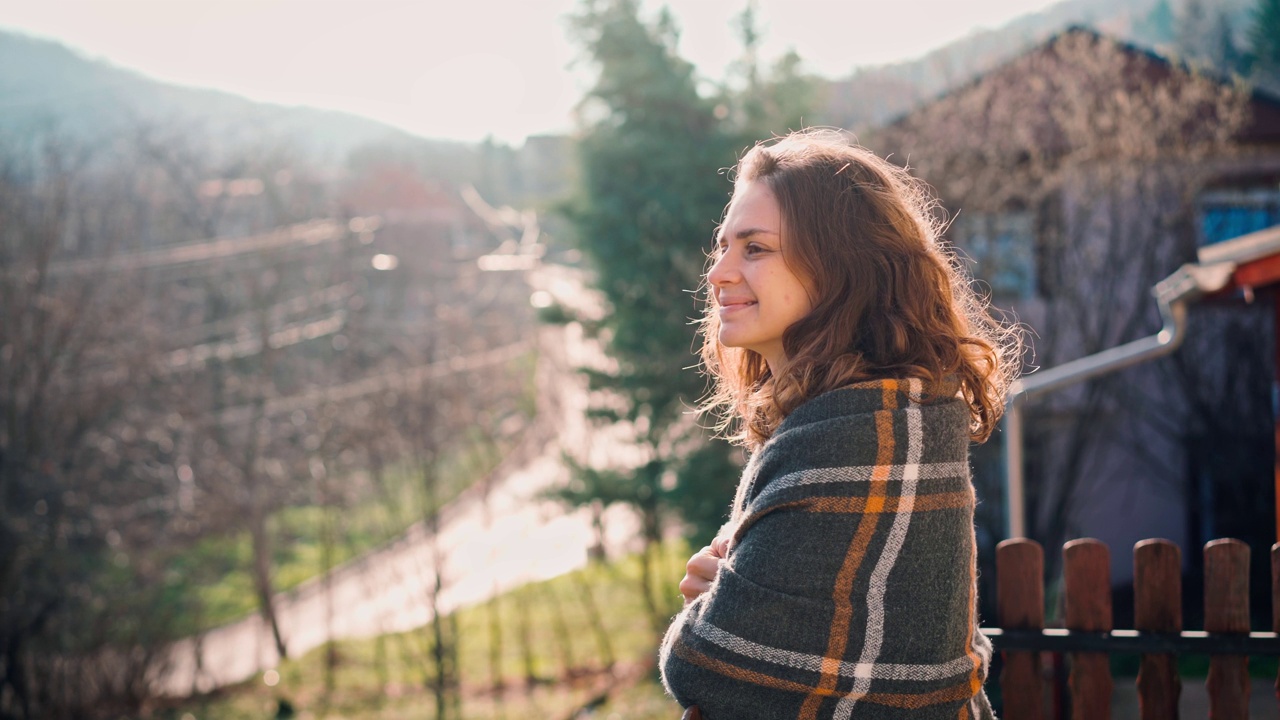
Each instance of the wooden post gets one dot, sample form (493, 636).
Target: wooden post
(1020, 606)
(1275, 392)
(1157, 608)
(1088, 603)
(1275, 600)
(1226, 610)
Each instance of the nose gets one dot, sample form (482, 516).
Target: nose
(724, 271)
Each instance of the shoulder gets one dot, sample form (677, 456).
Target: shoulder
(840, 441)
(854, 424)
(872, 396)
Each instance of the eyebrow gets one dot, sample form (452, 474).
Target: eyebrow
(744, 233)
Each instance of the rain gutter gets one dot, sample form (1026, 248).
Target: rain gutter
(1172, 296)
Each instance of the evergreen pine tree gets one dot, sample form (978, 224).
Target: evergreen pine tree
(769, 102)
(650, 196)
(1264, 41)
(1158, 27)
(1227, 56)
(1194, 32)
(651, 193)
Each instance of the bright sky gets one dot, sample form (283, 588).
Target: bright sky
(464, 69)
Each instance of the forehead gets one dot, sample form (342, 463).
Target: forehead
(753, 206)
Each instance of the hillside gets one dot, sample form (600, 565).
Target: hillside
(874, 95)
(46, 87)
(44, 84)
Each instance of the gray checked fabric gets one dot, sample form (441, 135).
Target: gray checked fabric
(848, 590)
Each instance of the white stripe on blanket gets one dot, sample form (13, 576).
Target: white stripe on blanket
(862, 473)
(813, 663)
(874, 635)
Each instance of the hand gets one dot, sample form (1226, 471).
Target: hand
(702, 568)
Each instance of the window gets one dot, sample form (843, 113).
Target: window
(1230, 213)
(1003, 246)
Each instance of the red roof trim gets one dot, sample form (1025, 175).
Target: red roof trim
(1253, 275)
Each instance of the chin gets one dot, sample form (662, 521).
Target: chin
(730, 339)
(738, 343)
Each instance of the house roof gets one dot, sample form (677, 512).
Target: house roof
(1264, 126)
(1254, 260)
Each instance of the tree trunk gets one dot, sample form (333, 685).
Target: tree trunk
(526, 643)
(598, 552)
(652, 529)
(595, 621)
(495, 643)
(328, 538)
(455, 672)
(564, 641)
(646, 585)
(439, 649)
(262, 575)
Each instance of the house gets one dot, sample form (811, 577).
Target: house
(1075, 177)
(419, 244)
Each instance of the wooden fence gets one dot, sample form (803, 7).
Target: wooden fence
(1158, 636)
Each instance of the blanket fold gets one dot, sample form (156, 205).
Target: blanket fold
(849, 587)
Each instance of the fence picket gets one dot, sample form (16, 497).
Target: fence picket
(1226, 610)
(1088, 607)
(1275, 602)
(1157, 608)
(1020, 606)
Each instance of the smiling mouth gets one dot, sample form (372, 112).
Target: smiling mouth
(736, 305)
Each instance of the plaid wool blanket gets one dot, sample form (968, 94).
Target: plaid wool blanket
(848, 590)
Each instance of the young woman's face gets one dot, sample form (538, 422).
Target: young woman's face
(757, 296)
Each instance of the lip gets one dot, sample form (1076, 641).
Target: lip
(728, 306)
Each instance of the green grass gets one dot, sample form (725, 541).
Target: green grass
(384, 678)
(298, 536)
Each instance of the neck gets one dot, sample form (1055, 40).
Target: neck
(776, 362)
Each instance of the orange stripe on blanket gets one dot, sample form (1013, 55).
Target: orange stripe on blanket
(902, 700)
(915, 701)
(842, 594)
(685, 652)
(921, 503)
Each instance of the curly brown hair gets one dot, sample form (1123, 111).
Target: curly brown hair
(890, 299)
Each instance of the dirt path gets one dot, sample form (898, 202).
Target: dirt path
(491, 542)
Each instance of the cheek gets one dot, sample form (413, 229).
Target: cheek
(796, 296)
(799, 304)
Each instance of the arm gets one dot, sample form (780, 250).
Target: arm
(885, 596)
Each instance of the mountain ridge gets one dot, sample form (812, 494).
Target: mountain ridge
(53, 85)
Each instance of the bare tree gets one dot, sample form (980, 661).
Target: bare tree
(189, 345)
(86, 502)
(1075, 171)
(262, 317)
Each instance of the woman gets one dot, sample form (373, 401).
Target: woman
(850, 356)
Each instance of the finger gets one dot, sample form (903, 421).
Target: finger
(692, 587)
(700, 556)
(720, 547)
(703, 566)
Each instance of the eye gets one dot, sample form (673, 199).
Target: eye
(754, 249)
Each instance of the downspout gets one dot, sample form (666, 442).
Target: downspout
(1172, 297)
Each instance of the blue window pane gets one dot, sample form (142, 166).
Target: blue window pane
(1223, 222)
